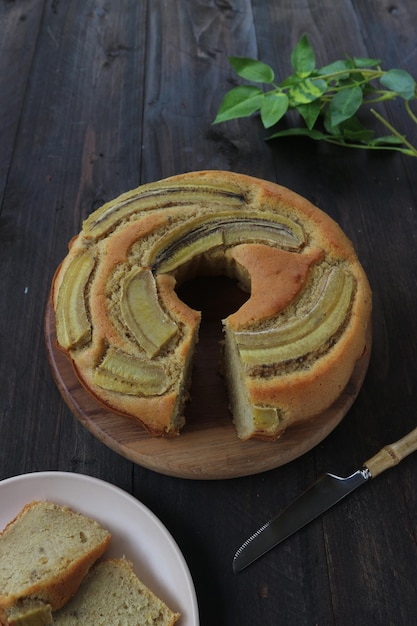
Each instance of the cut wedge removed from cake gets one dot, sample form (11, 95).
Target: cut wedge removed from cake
(289, 350)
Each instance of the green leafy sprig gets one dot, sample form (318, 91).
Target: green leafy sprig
(327, 98)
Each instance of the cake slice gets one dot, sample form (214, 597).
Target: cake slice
(45, 552)
(111, 594)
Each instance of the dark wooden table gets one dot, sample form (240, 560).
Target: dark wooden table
(97, 97)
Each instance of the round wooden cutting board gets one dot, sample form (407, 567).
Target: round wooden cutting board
(208, 447)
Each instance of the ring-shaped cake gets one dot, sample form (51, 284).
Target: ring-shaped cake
(289, 350)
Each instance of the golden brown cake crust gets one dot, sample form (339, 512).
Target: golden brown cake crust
(126, 237)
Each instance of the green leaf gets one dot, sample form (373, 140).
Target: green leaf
(353, 130)
(305, 91)
(274, 107)
(336, 67)
(239, 102)
(364, 135)
(401, 82)
(345, 104)
(299, 132)
(332, 129)
(407, 151)
(362, 62)
(375, 92)
(252, 70)
(388, 140)
(353, 80)
(303, 59)
(310, 112)
(289, 81)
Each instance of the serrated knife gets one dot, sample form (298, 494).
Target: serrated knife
(321, 496)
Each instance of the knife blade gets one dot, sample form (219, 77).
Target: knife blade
(327, 491)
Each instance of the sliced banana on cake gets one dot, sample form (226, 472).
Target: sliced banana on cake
(199, 236)
(303, 335)
(72, 322)
(131, 375)
(144, 317)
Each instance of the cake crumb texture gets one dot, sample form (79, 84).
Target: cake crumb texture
(112, 595)
(45, 552)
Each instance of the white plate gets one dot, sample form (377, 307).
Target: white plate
(136, 532)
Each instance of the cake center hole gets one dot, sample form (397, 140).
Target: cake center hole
(216, 297)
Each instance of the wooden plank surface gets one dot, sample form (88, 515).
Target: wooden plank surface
(97, 97)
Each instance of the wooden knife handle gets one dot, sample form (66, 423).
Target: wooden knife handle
(392, 454)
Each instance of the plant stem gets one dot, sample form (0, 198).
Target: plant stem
(371, 74)
(394, 131)
(410, 112)
(359, 146)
